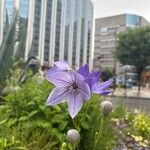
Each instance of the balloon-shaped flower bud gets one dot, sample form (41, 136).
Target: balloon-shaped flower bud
(106, 107)
(73, 136)
(64, 146)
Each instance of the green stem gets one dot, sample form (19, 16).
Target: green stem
(76, 123)
(78, 145)
(74, 147)
(77, 127)
(97, 137)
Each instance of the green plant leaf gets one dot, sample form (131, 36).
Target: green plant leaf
(34, 112)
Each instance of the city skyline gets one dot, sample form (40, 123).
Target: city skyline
(104, 8)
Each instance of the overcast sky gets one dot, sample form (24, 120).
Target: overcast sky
(103, 8)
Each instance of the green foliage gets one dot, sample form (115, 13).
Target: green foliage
(34, 124)
(93, 123)
(131, 127)
(29, 119)
(106, 74)
(27, 123)
(26, 117)
(12, 144)
(134, 49)
(141, 124)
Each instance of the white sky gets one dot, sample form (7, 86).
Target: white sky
(104, 8)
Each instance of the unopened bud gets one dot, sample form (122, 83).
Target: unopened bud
(106, 107)
(64, 146)
(73, 136)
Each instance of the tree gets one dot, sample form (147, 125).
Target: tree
(106, 74)
(133, 48)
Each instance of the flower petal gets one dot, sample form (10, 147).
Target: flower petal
(91, 81)
(101, 87)
(53, 70)
(84, 89)
(84, 70)
(59, 79)
(105, 92)
(76, 77)
(75, 102)
(96, 75)
(59, 66)
(102, 92)
(57, 96)
(62, 65)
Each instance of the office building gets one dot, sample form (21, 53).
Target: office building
(106, 30)
(56, 29)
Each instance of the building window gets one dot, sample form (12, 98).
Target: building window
(132, 20)
(103, 29)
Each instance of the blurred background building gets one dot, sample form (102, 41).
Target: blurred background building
(55, 29)
(106, 30)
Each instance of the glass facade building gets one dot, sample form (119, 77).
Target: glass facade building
(132, 20)
(36, 28)
(9, 10)
(106, 30)
(48, 29)
(76, 11)
(56, 29)
(24, 5)
(67, 26)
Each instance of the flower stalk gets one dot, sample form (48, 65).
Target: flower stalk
(99, 133)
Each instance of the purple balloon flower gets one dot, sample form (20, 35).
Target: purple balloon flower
(93, 81)
(70, 87)
(74, 87)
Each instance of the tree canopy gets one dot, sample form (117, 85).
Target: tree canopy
(133, 48)
(106, 74)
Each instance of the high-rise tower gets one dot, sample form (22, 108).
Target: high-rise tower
(56, 29)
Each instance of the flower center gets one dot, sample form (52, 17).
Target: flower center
(74, 86)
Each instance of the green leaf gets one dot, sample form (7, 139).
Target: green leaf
(30, 103)
(3, 121)
(34, 112)
(12, 121)
(63, 125)
(42, 123)
(18, 148)
(42, 107)
(23, 118)
(84, 125)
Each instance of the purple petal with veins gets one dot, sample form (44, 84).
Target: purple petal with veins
(57, 96)
(96, 75)
(62, 65)
(84, 71)
(101, 88)
(71, 87)
(59, 66)
(59, 79)
(75, 102)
